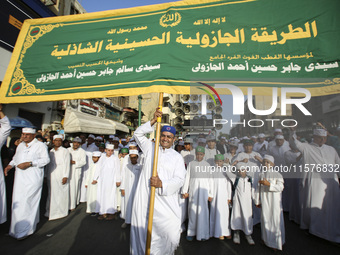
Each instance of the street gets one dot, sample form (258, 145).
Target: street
(79, 233)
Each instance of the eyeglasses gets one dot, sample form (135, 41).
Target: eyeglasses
(167, 136)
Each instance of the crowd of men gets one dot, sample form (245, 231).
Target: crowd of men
(222, 188)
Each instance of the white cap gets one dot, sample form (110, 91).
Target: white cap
(77, 140)
(58, 136)
(188, 140)
(91, 136)
(278, 130)
(201, 140)
(245, 138)
(320, 132)
(110, 146)
(28, 130)
(111, 136)
(116, 139)
(96, 154)
(211, 138)
(223, 138)
(133, 152)
(269, 157)
(254, 137)
(132, 144)
(233, 143)
(123, 140)
(279, 137)
(181, 143)
(99, 138)
(262, 135)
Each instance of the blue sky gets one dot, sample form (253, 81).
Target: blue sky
(104, 5)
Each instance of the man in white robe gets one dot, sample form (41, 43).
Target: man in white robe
(211, 150)
(278, 151)
(219, 210)
(252, 160)
(272, 143)
(130, 177)
(89, 147)
(78, 160)
(5, 130)
(57, 174)
(198, 187)
(261, 145)
(269, 199)
(29, 160)
(108, 177)
(320, 192)
(92, 187)
(166, 227)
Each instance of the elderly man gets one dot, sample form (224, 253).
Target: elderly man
(320, 192)
(5, 129)
(78, 160)
(171, 175)
(29, 160)
(57, 174)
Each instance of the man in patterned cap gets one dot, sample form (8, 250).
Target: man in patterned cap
(171, 174)
(29, 160)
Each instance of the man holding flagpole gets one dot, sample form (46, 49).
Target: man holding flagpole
(171, 171)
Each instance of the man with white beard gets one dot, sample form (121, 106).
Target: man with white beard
(166, 227)
(78, 160)
(57, 174)
(320, 192)
(29, 160)
(130, 177)
(108, 177)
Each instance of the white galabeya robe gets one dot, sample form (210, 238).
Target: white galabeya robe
(108, 174)
(320, 191)
(79, 156)
(272, 222)
(219, 210)
(91, 193)
(5, 130)
(166, 227)
(57, 204)
(27, 187)
(200, 186)
(130, 177)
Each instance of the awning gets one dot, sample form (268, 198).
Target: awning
(81, 122)
(120, 126)
(18, 122)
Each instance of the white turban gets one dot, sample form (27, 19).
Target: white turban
(77, 140)
(28, 130)
(269, 157)
(58, 136)
(133, 152)
(320, 132)
(91, 136)
(110, 146)
(262, 135)
(279, 137)
(96, 154)
(278, 130)
(99, 138)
